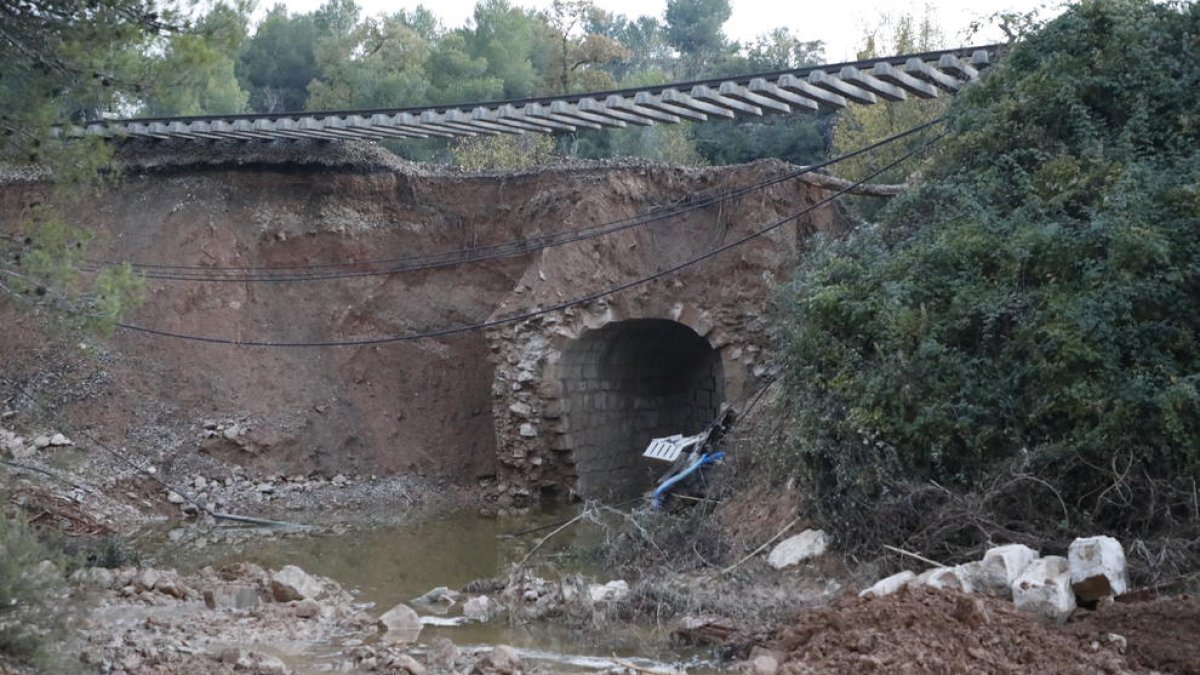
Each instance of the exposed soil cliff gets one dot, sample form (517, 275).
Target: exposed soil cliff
(415, 406)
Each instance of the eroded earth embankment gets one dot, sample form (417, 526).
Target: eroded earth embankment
(415, 406)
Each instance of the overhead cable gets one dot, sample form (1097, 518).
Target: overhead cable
(531, 314)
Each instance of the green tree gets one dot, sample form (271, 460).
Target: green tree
(279, 61)
(576, 55)
(858, 126)
(378, 63)
(693, 27)
(195, 74)
(510, 40)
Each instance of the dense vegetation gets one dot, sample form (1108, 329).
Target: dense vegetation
(1013, 351)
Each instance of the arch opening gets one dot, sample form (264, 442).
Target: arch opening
(626, 383)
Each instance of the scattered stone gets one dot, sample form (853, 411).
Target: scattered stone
(1097, 568)
(610, 592)
(265, 488)
(950, 578)
(443, 655)
(438, 596)
(146, 580)
(798, 548)
(400, 624)
(403, 663)
(175, 498)
(527, 430)
(339, 480)
(1044, 588)
(292, 583)
(478, 608)
(307, 609)
(888, 585)
(41, 442)
(521, 409)
(763, 665)
(502, 659)
(1000, 568)
(59, 441)
(232, 431)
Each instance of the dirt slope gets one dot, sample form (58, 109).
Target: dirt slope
(421, 406)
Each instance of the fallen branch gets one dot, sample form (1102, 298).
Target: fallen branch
(851, 187)
(916, 556)
(758, 550)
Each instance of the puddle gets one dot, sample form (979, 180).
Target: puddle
(386, 566)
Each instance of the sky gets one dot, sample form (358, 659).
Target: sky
(841, 24)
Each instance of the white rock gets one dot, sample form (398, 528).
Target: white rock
(41, 442)
(950, 579)
(175, 498)
(793, 550)
(265, 488)
(503, 659)
(478, 608)
(528, 430)
(200, 483)
(1044, 588)
(888, 585)
(231, 432)
(1000, 568)
(292, 583)
(521, 409)
(763, 664)
(400, 624)
(610, 592)
(1097, 568)
(59, 440)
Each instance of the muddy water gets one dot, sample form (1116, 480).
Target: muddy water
(387, 566)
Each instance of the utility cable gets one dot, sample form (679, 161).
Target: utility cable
(483, 253)
(531, 314)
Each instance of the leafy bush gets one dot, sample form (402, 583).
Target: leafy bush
(1035, 303)
(32, 613)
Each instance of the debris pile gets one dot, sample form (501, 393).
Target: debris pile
(1052, 586)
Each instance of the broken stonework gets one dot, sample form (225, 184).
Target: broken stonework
(1097, 568)
(790, 551)
(889, 585)
(1044, 588)
(1000, 568)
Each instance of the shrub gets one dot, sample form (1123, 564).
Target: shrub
(1035, 302)
(32, 611)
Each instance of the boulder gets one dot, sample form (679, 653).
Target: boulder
(795, 549)
(763, 665)
(502, 659)
(888, 585)
(403, 663)
(438, 596)
(307, 609)
(1097, 568)
(1044, 588)
(59, 441)
(950, 579)
(478, 608)
(610, 592)
(1000, 567)
(400, 624)
(292, 583)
